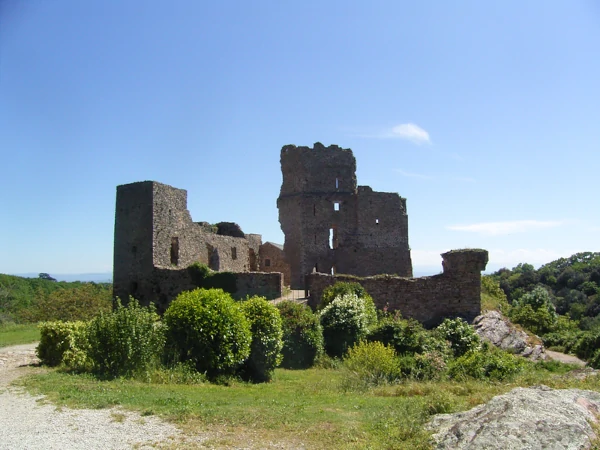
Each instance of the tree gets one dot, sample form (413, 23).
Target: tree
(45, 276)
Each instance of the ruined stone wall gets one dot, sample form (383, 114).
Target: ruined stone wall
(333, 226)
(132, 260)
(154, 229)
(166, 283)
(272, 259)
(454, 293)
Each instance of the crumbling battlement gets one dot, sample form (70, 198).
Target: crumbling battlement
(454, 293)
(331, 225)
(156, 240)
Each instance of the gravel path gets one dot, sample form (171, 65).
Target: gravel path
(26, 423)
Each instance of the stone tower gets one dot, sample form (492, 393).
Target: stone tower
(331, 225)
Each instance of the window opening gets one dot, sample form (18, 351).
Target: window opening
(376, 221)
(316, 268)
(337, 183)
(333, 240)
(267, 263)
(175, 250)
(233, 253)
(336, 206)
(333, 270)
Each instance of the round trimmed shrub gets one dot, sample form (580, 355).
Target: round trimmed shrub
(126, 341)
(302, 335)
(345, 321)
(265, 348)
(209, 329)
(58, 339)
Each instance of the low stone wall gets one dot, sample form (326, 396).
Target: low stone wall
(166, 284)
(454, 293)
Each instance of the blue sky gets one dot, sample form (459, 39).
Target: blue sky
(484, 115)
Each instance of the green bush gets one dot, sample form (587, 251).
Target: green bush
(406, 336)
(345, 321)
(538, 321)
(488, 362)
(430, 365)
(372, 362)
(127, 341)
(71, 304)
(302, 336)
(204, 277)
(461, 336)
(60, 338)
(341, 288)
(266, 328)
(208, 328)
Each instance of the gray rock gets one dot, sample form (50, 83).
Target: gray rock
(524, 418)
(493, 327)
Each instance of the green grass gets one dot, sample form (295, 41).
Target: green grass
(311, 407)
(13, 334)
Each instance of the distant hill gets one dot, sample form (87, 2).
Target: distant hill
(105, 277)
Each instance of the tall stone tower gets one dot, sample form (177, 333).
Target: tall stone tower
(331, 225)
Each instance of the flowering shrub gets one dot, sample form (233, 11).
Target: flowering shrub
(346, 320)
(460, 334)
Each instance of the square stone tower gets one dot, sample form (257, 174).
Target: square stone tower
(331, 225)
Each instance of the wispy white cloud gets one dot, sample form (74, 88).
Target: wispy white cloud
(410, 132)
(508, 227)
(412, 175)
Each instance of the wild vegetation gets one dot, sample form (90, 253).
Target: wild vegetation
(344, 376)
(560, 302)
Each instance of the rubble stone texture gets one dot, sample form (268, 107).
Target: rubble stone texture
(331, 225)
(524, 418)
(454, 293)
(156, 240)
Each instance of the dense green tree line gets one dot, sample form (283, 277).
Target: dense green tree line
(25, 300)
(572, 284)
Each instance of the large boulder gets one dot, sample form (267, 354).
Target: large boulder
(524, 418)
(495, 328)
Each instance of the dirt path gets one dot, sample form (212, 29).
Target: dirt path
(564, 358)
(27, 423)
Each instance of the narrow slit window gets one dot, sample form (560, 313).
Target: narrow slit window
(175, 250)
(337, 183)
(336, 206)
(333, 239)
(376, 221)
(233, 253)
(333, 270)
(267, 263)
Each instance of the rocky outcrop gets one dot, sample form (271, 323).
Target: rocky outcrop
(524, 418)
(493, 327)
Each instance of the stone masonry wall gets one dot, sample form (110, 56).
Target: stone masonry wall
(166, 284)
(274, 256)
(454, 293)
(331, 225)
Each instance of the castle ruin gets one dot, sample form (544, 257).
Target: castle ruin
(334, 231)
(331, 225)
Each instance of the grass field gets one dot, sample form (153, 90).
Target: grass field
(316, 408)
(13, 334)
